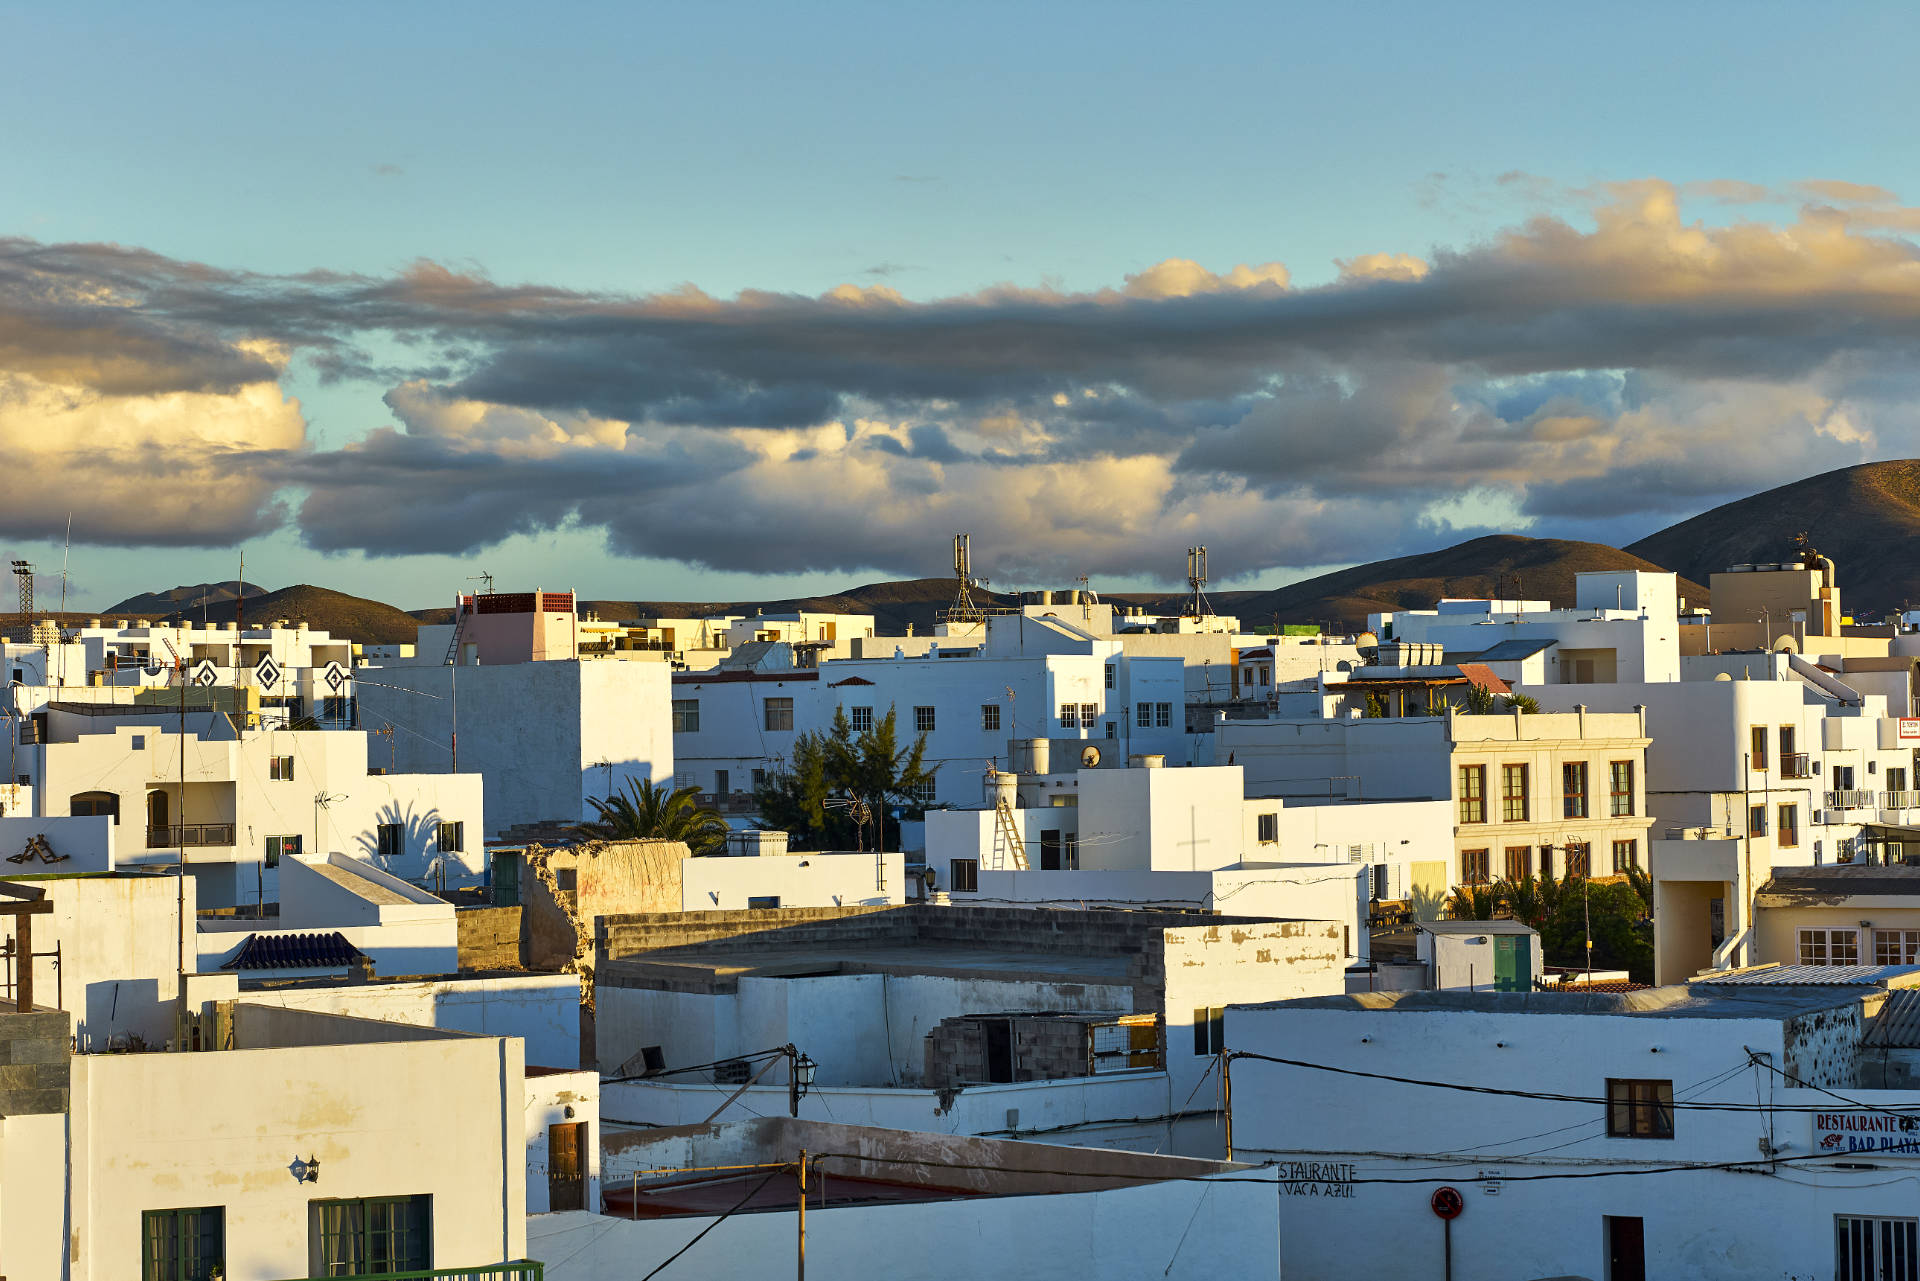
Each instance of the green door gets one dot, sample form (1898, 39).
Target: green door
(1512, 963)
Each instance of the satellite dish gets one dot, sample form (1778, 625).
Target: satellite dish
(1090, 756)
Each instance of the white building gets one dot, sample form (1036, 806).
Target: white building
(250, 798)
(1032, 678)
(1623, 627)
(1703, 1132)
(545, 736)
(293, 670)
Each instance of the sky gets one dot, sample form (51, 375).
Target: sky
(704, 302)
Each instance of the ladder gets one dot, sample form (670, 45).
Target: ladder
(1006, 839)
(453, 645)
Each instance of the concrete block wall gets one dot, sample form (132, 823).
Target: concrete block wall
(35, 1054)
(489, 938)
(1044, 1049)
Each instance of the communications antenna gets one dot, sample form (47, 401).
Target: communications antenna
(1197, 606)
(484, 579)
(963, 609)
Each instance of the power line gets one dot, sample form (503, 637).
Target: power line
(737, 1207)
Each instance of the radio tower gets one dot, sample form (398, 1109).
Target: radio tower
(23, 572)
(1197, 582)
(963, 610)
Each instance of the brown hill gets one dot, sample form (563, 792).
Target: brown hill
(1867, 518)
(154, 604)
(1499, 564)
(354, 617)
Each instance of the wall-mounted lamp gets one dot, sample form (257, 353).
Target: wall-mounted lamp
(305, 1171)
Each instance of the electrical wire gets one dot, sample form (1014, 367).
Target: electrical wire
(737, 1207)
(1559, 1098)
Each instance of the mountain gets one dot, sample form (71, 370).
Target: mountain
(1499, 564)
(366, 621)
(183, 598)
(894, 606)
(1866, 518)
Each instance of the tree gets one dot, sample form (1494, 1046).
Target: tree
(650, 812)
(1478, 701)
(1524, 703)
(841, 766)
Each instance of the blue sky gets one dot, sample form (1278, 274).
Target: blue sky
(937, 151)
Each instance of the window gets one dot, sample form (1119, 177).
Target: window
(1757, 750)
(1162, 715)
(1109, 729)
(1473, 793)
(1789, 834)
(989, 716)
(779, 713)
(139, 742)
(1756, 820)
(1638, 1109)
(387, 839)
(370, 1236)
(84, 803)
(963, 875)
(183, 1245)
(1786, 744)
(1626, 854)
(1269, 825)
(1579, 860)
(762, 902)
(923, 720)
(1513, 791)
(1621, 773)
(759, 780)
(1069, 715)
(1210, 1030)
(922, 792)
(1834, 946)
(1875, 1249)
(1896, 947)
(1473, 866)
(1842, 778)
(860, 718)
(1143, 715)
(336, 709)
(453, 838)
(280, 767)
(1110, 675)
(1089, 714)
(1573, 787)
(686, 715)
(279, 847)
(1519, 862)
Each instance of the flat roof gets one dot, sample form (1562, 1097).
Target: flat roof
(1476, 927)
(824, 961)
(1683, 1002)
(1831, 883)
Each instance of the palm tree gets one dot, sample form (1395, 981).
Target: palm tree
(650, 812)
(1524, 703)
(1472, 903)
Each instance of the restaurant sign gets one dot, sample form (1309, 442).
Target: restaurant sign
(1865, 1132)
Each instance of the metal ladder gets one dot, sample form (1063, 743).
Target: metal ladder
(453, 646)
(1006, 838)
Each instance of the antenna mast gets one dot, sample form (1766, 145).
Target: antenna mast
(963, 609)
(23, 572)
(1197, 605)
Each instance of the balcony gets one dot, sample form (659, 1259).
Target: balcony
(524, 1270)
(190, 836)
(1899, 800)
(1849, 800)
(1796, 765)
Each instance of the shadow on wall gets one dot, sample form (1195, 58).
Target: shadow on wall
(606, 779)
(1427, 904)
(408, 846)
(120, 1008)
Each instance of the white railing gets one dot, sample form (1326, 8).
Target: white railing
(1849, 800)
(1899, 800)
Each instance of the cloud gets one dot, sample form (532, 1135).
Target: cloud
(1609, 362)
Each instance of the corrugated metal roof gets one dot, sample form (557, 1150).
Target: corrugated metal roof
(329, 951)
(1811, 976)
(1476, 927)
(1897, 1026)
(1512, 651)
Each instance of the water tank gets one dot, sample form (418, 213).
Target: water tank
(1148, 760)
(1002, 788)
(755, 844)
(1032, 756)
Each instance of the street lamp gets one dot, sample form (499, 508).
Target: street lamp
(799, 1078)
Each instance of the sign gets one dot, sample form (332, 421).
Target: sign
(1865, 1132)
(266, 672)
(1317, 1178)
(1909, 727)
(1447, 1202)
(204, 674)
(333, 676)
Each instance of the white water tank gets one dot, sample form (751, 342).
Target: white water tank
(1002, 788)
(1032, 756)
(1150, 760)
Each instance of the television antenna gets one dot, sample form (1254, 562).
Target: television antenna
(484, 579)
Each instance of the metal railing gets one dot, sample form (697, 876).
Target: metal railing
(1795, 765)
(1849, 800)
(522, 1270)
(189, 835)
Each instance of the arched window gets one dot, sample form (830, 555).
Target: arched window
(82, 803)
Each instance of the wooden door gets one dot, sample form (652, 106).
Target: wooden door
(567, 1166)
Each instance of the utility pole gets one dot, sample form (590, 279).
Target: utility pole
(801, 1269)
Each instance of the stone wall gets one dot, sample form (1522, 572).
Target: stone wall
(490, 938)
(35, 1049)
